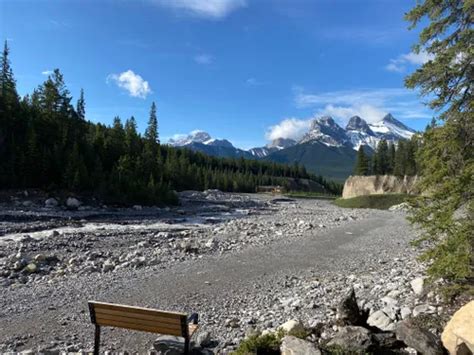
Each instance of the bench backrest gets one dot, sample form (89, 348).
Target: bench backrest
(138, 318)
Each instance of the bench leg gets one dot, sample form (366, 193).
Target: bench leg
(186, 346)
(97, 340)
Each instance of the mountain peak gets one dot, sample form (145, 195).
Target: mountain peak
(358, 124)
(325, 130)
(281, 143)
(196, 136)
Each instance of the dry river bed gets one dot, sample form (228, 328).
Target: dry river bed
(243, 262)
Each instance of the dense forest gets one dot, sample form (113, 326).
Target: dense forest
(388, 159)
(46, 142)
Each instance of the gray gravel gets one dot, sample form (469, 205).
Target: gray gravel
(241, 262)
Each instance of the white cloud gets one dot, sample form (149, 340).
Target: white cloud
(253, 82)
(133, 83)
(293, 128)
(342, 113)
(204, 59)
(212, 9)
(400, 63)
(47, 72)
(370, 104)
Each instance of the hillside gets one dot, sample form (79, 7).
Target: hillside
(334, 162)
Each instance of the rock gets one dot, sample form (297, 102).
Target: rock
(348, 311)
(169, 345)
(19, 264)
(72, 203)
(203, 339)
(109, 265)
(51, 202)
(31, 268)
(417, 285)
(405, 312)
(459, 330)
(404, 206)
(352, 338)
(27, 203)
(39, 258)
(419, 339)
(423, 309)
(292, 326)
(294, 346)
(380, 320)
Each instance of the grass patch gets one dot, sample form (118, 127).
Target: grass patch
(312, 195)
(381, 202)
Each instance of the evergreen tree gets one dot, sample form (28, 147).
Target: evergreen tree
(362, 163)
(391, 158)
(81, 106)
(381, 158)
(446, 156)
(400, 159)
(151, 133)
(8, 93)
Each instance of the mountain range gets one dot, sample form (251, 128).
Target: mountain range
(326, 148)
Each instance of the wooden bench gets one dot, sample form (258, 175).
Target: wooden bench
(143, 319)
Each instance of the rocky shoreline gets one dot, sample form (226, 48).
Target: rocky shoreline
(73, 254)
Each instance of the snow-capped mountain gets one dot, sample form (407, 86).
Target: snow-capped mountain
(325, 130)
(275, 145)
(326, 148)
(357, 132)
(201, 141)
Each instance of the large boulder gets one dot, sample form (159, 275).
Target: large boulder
(379, 184)
(348, 312)
(291, 345)
(460, 330)
(72, 203)
(381, 320)
(351, 338)
(169, 345)
(418, 338)
(51, 202)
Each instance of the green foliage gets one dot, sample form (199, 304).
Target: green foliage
(362, 163)
(310, 195)
(389, 159)
(46, 142)
(445, 156)
(381, 202)
(260, 344)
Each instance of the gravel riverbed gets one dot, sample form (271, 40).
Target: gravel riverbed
(243, 262)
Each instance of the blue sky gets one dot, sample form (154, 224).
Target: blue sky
(246, 70)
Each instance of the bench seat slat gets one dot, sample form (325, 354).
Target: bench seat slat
(102, 312)
(141, 310)
(145, 328)
(101, 319)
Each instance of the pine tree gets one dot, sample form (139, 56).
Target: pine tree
(362, 163)
(8, 93)
(81, 106)
(151, 132)
(391, 158)
(446, 155)
(400, 159)
(381, 158)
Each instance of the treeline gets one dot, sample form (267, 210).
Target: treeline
(388, 159)
(46, 142)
